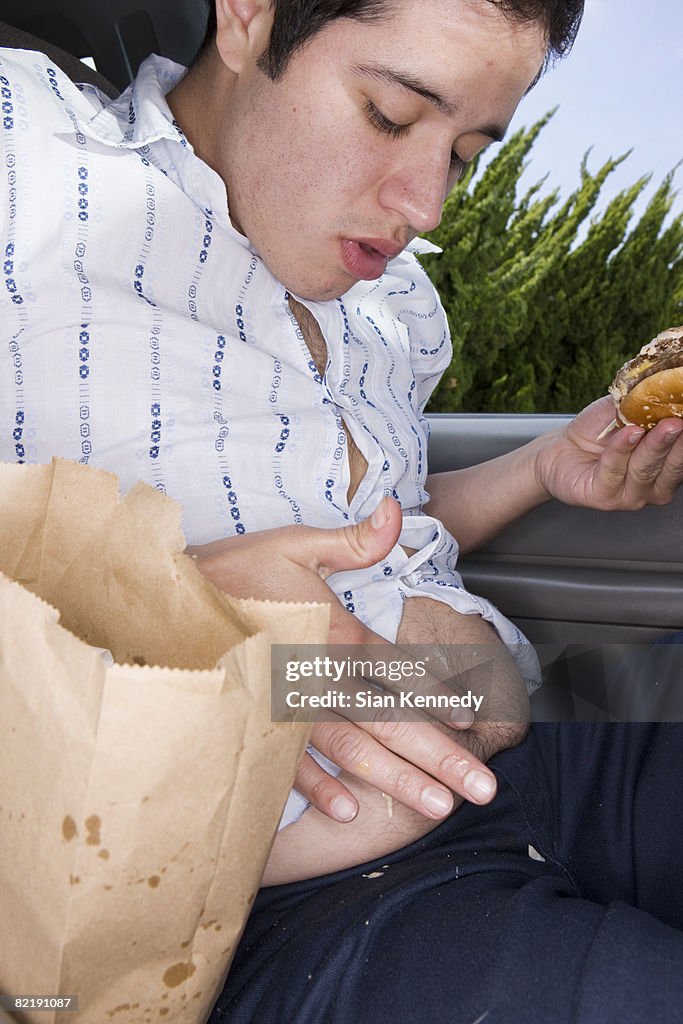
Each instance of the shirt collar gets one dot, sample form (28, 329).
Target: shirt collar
(422, 246)
(140, 115)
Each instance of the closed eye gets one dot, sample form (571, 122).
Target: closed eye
(397, 131)
(384, 124)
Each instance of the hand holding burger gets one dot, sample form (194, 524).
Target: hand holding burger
(637, 465)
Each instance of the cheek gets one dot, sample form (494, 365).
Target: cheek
(306, 180)
(258, 163)
(318, 178)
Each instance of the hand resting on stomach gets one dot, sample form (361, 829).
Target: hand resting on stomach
(469, 649)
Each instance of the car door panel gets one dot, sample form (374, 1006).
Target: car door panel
(568, 574)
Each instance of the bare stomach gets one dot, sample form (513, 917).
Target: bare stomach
(316, 844)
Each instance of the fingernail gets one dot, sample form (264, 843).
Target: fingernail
(462, 716)
(635, 437)
(479, 785)
(343, 808)
(381, 515)
(672, 436)
(436, 801)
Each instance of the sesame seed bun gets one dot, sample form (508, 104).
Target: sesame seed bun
(649, 387)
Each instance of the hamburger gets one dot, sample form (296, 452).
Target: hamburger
(649, 388)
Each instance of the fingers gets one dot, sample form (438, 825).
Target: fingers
(612, 468)
(358, 545)
(656, 465)
(593, 425)
(290, 563)
(424, 695)
(394, 670)
(413, 762)
(641, 467)
(324, 791)
(671, 476)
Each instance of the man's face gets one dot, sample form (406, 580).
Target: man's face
(335, 167)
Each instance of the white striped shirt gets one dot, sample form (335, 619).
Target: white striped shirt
(142, 333)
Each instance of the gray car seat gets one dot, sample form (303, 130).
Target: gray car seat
(117, 34)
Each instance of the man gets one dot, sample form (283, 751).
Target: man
(333, 156)
(341, 170)
(424, 944)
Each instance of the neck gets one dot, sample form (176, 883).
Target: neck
(198, 103)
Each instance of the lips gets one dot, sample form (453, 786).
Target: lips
(367, 258)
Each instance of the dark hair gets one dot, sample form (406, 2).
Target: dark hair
(297, 21)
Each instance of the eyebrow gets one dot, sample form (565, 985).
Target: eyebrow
(416, 85)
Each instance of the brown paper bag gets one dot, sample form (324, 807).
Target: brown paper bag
(137, 802)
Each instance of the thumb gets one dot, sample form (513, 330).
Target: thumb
(359, 545)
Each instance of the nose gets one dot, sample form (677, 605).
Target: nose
(417, 193)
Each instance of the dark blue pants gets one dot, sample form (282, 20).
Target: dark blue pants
(469, 925)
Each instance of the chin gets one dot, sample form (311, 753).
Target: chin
(321, 290)
(321, 281)
(315, 283)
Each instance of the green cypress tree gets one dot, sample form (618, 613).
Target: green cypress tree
(542, 317)
(473, 235)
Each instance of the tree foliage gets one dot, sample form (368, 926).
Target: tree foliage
(545, 301)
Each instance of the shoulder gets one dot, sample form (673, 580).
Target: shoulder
(415, 302)
(404, 304)
(404, 292)
(34, 87)
(407, 284)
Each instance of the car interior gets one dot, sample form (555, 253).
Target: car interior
(575, 581)
(116, 36)
(572, 579)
